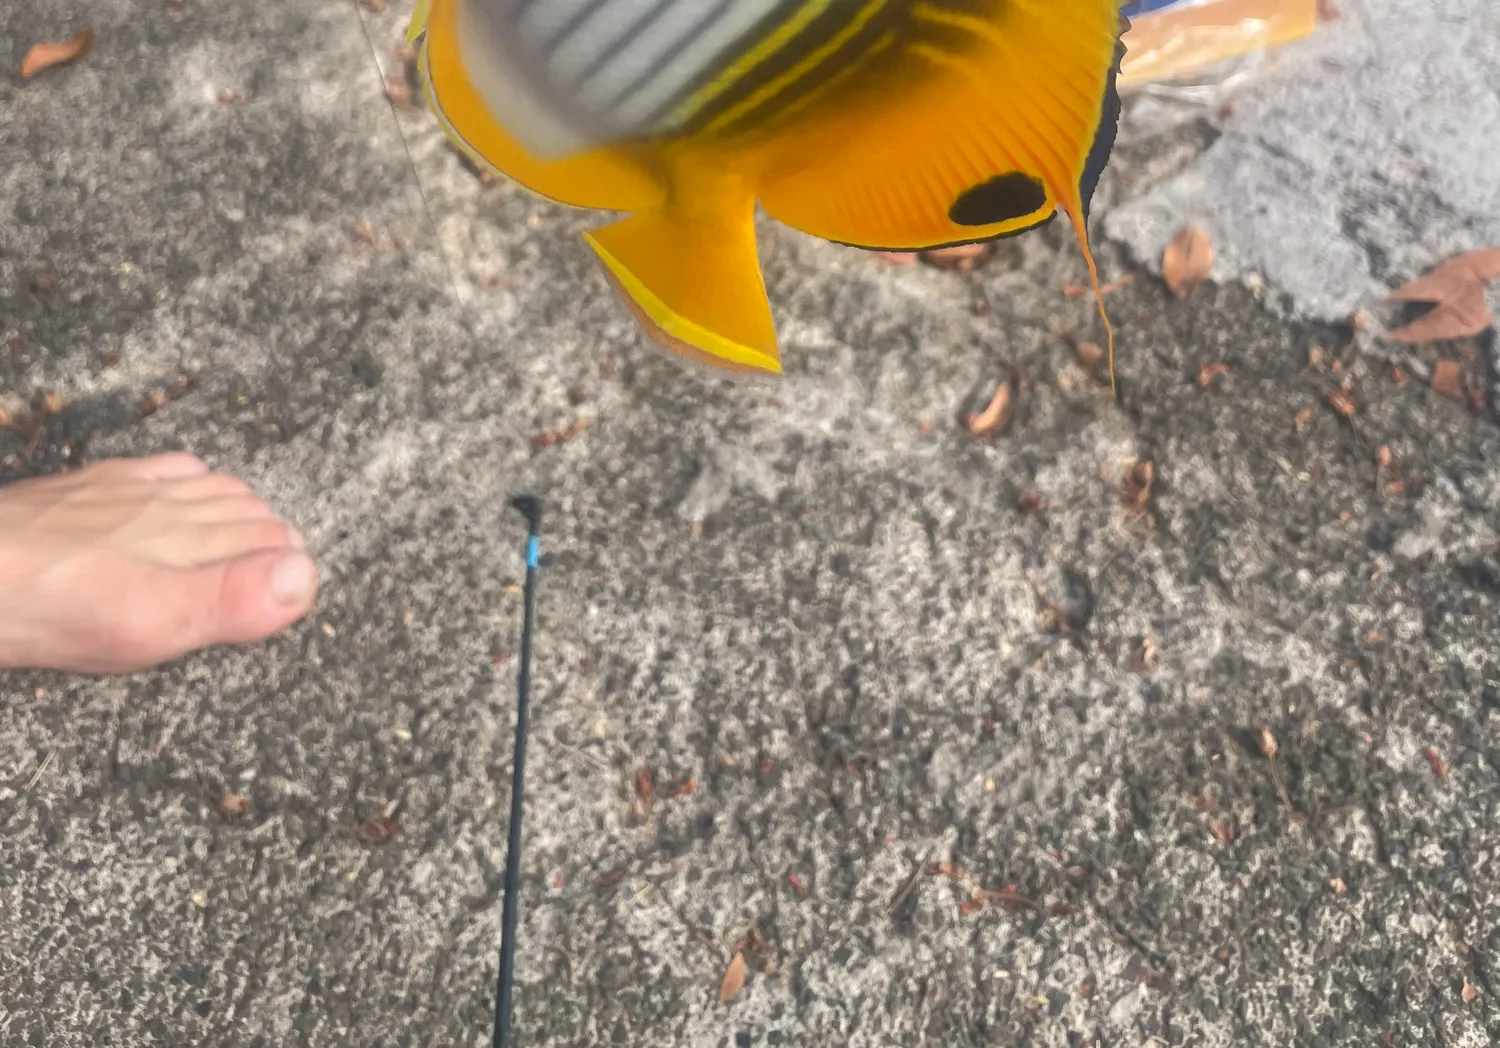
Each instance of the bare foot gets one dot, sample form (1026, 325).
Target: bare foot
(128, 563)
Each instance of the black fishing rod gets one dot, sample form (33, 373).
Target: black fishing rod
(531, 509)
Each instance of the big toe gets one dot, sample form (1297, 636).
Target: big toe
(243, 599)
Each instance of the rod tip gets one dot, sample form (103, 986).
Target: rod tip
(530, 507)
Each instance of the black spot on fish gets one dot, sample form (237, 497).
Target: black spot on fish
(1003, 198)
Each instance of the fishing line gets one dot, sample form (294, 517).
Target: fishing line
(406, 146)
(531, 508)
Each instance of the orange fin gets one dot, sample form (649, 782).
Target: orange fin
(695, 286)
(993, 117)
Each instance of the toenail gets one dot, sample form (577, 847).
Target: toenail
(292, 578)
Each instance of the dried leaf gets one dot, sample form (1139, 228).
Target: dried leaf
(1468, 993)
(1342, 401)
(1089, 354)
(1303, 417)
(1136, 489)
(1143, 660)
(969, 906)
(48, 54)
(1188, 261)
(734, 979)
(1208, 372)
(995, 416)
(644, 789)
(1448, 379)
(1268, 745)
(796, 883)
(1223, 830)
(683, 789)
(1435, 762)
(1338, 885)
(1457, 287)
(377, 829)
(610, 879)
(963, 257)
(1030, 502)
(554, 437)
(234, 805)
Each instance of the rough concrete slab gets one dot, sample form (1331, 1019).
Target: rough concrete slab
(1354, 162)
(875, 651)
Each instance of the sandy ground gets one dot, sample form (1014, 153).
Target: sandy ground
(869, 640)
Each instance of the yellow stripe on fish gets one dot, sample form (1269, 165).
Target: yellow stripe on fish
(890, 124)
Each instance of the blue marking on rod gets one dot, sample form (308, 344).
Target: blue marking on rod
(533, 549)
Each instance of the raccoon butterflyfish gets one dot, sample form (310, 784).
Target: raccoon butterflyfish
(894, 125)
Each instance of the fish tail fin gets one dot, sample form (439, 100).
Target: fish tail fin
(696, 286)
(1081, 228)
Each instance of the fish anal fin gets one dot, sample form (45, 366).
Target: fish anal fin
(695, 286)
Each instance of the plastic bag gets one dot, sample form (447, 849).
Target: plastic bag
(1184, 56)
(1178, 39)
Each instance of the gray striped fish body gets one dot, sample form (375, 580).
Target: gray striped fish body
(566, 75)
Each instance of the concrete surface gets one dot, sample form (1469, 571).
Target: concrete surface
(1351, 163)
(868, 654)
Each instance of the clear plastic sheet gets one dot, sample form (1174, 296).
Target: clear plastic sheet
(1184, 56)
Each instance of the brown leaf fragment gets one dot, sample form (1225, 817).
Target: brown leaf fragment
(1143, 659)
(1188, 261)
(1223, 830)
(1342, 401)
(734, 979)
(1136, 488)
(49, 403)
(153, 401)
(398, 91)
(1468, 993)
(644, 788)
(1435, 762)
(995, 416)
(1087, 988)
(969, 906)
(1303, 418)
(1398, 376)
(1208, 372)
(1268, 746)
(233, 805)
(796, 883)
(377, 829)
(963, 257)
(553, 437)
(610, 879)
(1030, 502)
(47, 54)
(1089, 354)
(1223, 953)
(683, 789)
(1448, 379)
(1338, 885)
(1457, 287)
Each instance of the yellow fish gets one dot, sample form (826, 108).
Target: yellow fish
(894, 125)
